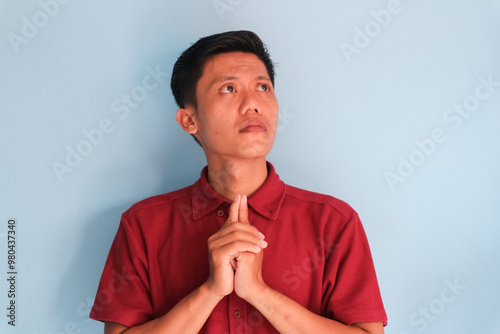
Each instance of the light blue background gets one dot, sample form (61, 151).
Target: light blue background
(345, 123)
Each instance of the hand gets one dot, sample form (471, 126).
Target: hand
(233, 239)
(248, 277)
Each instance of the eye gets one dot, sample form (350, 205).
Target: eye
(227, 89)
(263, 88)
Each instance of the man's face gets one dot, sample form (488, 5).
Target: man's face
(237, 110)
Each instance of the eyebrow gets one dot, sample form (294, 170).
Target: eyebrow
(229, 78)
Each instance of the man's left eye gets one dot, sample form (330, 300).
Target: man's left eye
(263, 87)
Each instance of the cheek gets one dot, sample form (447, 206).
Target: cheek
(274, 119)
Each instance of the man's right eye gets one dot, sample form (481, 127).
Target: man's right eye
(227, 89)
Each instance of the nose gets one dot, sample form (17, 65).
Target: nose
(250, 104)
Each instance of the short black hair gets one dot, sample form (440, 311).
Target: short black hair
(188, 68)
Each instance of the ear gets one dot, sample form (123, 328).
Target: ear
(187, 120)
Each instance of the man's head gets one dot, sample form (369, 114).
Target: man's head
(224, 85)
(188, 68)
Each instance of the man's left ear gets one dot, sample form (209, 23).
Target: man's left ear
(187, 120)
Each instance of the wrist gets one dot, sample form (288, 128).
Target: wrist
(207, 291)
(259, 294)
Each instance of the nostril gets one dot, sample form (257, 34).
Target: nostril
(256, 110)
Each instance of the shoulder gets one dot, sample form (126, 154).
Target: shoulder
(323, 201)
(159, 203)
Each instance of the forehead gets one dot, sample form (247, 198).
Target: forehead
(232, 64)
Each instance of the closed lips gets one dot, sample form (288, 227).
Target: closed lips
(253, 125)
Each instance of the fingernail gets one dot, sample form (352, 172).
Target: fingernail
(244, 199)
(257, 248)
(237, 197)
(264, 243)
(261, 235)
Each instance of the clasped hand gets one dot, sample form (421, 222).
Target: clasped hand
(235, 254)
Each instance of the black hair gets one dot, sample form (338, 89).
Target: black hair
(188, 68)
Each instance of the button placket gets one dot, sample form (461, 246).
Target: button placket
(237, 313)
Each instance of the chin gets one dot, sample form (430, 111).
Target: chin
(254, 151)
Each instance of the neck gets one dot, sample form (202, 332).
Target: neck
(232, 177)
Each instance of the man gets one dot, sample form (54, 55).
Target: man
(239, 251)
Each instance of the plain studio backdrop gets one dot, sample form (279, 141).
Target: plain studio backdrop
(392, 106)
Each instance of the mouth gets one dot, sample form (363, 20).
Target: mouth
(252, 125)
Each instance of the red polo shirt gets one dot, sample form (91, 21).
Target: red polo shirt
(318, 255)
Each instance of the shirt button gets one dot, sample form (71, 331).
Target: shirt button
(237, 314)
(220, 213)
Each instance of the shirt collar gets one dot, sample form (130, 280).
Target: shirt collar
(266, 201)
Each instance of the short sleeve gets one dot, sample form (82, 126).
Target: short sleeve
(351, 291)
(123, 295)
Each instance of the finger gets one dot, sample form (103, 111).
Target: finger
(243, 212)
(233, 209)
(231, 227)
(237, 232)
(231, 251)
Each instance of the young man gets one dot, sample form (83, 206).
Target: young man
(239, 251)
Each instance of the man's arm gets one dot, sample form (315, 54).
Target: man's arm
(286, 315)
(188, 316)
(191, 313)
